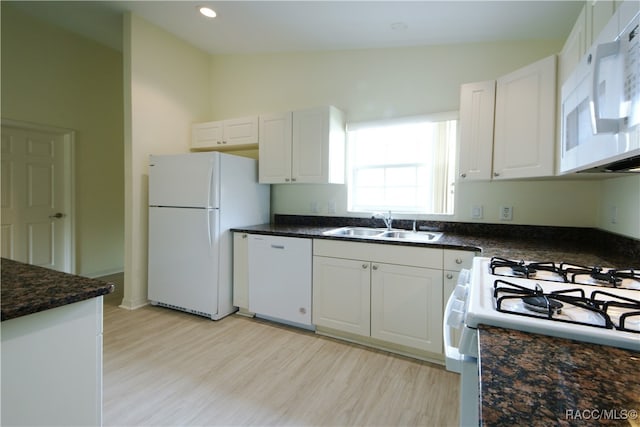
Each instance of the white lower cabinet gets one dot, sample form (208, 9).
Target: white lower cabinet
(388, 293)
(341, 294)
(52, 367)
(406, 306)
(241, 271)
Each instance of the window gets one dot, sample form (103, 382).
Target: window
(405, 165)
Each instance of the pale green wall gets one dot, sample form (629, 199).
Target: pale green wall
(166, 82)
(381, 83)
(624, 195)
(53, 77)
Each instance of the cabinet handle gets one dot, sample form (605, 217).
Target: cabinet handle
(463, 175)
(293, 180)
(496, 174)
(244, 236)
(449, 276)
(277, 246)
(365, 266)
(287, 180)
(375, 267)
(458, 260)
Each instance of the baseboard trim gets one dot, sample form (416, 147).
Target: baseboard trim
(132, 305)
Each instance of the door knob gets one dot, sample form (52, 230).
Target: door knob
(57, 215)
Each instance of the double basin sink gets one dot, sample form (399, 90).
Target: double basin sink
(384, 234)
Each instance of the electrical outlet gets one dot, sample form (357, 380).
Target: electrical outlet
(476, 212)
(314, 207)
(331, 207)
(506, 213)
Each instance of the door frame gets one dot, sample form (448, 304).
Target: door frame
(68, 184)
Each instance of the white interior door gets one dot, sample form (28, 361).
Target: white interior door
(36, 206)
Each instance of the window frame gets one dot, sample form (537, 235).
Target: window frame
(448, 175)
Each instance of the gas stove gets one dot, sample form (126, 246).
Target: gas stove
(589, 304)
(567, 273)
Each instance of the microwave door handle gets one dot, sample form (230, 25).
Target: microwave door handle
(599, 124)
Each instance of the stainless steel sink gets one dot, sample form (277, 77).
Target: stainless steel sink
(383, 233)
(356, 232)
(419, 236)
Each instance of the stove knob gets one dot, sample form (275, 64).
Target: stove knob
(460, 292)
(456, 315)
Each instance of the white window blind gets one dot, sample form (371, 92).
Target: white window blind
(404, 165)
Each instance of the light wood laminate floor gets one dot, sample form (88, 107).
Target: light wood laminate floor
(163, 367)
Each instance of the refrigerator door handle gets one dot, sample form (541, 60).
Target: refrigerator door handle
(209, 201)
(209, 228)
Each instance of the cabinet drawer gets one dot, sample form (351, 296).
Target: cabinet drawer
(391, 254)
(455, 260)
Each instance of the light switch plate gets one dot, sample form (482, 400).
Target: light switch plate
(476, 212)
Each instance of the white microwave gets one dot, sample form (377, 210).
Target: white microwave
(600, 129)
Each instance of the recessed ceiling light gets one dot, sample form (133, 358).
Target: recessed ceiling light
(207, 11)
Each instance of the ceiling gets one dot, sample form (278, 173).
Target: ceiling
(287, 26)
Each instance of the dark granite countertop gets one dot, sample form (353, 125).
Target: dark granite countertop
(537, 243)
(531, 379)
(28, 289)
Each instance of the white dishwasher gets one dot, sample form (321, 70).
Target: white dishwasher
(280, 278)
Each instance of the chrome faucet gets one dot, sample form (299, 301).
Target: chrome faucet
(387, 218)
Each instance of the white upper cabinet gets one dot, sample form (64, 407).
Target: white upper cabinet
(524, 139)
(507, 127)
(598, 13)
(225, 134)
(574, 48)
(275, 148)
(306, 146)
(477, 105)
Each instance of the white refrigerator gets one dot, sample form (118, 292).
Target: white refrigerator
(194, 199)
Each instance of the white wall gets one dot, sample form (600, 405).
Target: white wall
(166, 82)
(381, 83)
(620, 198)
(53, 77)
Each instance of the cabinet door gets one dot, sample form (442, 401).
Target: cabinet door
(525, 120)
(598, 13)
(573, 50)
(310, 146)
(406, 306)
(456, 260)
(341, 294)
(275, 148)
(207, 135)
(241, 270)
(242, 131)
(477, 105)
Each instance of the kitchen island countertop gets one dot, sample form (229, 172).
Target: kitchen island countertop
(531, 379)
(28, 289)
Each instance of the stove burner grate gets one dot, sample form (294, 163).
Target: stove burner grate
(505, 291)
(575, 272)
(520, 268)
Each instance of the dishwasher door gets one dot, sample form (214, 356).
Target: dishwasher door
(280, 278)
